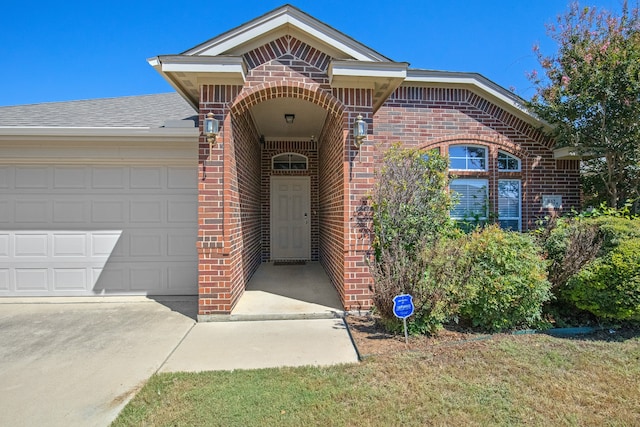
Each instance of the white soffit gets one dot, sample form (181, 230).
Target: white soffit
(293, 21)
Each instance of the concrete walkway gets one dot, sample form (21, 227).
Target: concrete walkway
(277, 292)
(262, 344)
(77, 362)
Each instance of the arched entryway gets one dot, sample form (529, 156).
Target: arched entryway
(241, 170)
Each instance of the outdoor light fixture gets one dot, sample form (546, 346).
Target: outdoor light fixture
(359, 130)
(211, 126)
(289, 118)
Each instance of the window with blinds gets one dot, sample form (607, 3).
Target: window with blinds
(472, 198)
(509, 201)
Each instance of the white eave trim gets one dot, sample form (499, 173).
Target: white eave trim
(43, 134)
(385, 70)
(198, 64)
(279, 18)
(472, 79)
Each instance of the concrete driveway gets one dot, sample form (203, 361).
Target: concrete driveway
(78, 363)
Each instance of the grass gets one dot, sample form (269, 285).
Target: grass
(507, 380)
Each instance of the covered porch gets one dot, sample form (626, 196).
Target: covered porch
(283, 291)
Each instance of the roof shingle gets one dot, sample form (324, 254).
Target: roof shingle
(129, 111)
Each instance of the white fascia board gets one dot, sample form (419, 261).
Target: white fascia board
(191, 64)
(471, 79)
(393, 70)
(284, 17)
(43, 134)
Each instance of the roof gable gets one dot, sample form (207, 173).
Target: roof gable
(282, 21)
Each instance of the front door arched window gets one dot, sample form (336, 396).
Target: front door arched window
(289, 161)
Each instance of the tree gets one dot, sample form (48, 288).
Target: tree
(590, 94)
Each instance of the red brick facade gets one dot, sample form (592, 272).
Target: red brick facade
(234, 201)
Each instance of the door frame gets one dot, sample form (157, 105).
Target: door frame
(272, 193)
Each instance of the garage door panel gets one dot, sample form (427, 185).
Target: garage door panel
(32, 177)
(31, 245)
(146, 278)
(5, 177)
(108, 211)
(31, 279)
(5, 212)
(70, 211)
(180, 275)
(181, 245)
(145, 245)
(70, 279)
(102, 244)
(108, 178)
(4, 280)
(85, 230)
(149, 178)
(70, 177)
(31, 211)
(181, 178)
(182, 211)
(70, 245)
(4, 245)
(147, 211)
(111, 279)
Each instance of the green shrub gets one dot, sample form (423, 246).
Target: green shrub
(411, 206)
(614, 230)
(609, 287)
(508, 281)
(569, 245)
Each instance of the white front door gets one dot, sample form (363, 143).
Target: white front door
(290, 218)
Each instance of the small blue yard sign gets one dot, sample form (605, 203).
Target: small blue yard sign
(403, 306)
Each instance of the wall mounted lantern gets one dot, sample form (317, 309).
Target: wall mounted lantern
(211, 127)
(289, 118)
(359, 130)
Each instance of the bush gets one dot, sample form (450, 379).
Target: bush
(410, 212)
(570, 244)
(609, 287)
(508, 280)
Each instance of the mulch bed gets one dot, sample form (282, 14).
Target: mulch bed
(372, 340)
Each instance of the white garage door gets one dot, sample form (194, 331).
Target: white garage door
(87, 230)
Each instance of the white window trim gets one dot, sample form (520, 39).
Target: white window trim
(519, 169)
(486, 192)
(486, 157)
(519, 217)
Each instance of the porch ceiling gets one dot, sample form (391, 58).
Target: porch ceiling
(268, 116)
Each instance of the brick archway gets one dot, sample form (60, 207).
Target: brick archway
(254, 95)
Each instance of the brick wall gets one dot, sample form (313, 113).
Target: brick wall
(438, 117)
(332, 201)
(228, 204)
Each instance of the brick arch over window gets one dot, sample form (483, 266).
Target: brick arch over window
(269, 90)
(501, 143)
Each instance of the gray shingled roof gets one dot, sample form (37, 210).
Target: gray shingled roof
(130, 111)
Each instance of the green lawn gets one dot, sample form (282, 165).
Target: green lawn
(507, 380)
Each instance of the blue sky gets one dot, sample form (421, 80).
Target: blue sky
(67, 50)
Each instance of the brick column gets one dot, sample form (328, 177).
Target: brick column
(215, 269)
